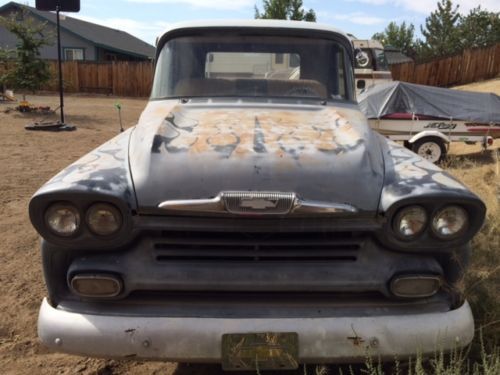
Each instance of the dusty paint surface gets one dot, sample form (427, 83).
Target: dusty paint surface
(409, 175)
(103, 170)
(196, 150)
(236, 133)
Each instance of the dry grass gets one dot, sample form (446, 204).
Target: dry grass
(480, 171)
(492, 85)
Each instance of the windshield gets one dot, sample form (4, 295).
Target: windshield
(251, 66)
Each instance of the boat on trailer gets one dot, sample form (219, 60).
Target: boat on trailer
(428, 118)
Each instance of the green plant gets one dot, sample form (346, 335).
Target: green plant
(29, 71)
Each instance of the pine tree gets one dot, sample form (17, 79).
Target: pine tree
(399, 36)
(480, 28)
(29, 72)
(285, 10)
(441, 31)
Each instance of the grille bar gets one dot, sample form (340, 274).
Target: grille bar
(199, 246)
(240, 258)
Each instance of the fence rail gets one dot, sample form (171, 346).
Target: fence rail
(470, 66)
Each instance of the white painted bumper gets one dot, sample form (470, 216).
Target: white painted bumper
(321, 340)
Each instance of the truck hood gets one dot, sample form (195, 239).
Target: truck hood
(196, 150)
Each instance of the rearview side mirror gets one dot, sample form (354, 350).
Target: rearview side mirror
(361, 84)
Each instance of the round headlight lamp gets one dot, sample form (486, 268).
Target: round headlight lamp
(450, 222)
(63, 219)
(410, 222)
(104, 219)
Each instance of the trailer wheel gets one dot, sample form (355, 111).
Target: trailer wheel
(432, 149)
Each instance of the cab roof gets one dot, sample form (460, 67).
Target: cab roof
(270, 24)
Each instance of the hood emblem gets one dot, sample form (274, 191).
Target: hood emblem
(258, 204)
(263, 203)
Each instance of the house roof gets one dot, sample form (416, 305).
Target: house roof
(102, 36)
(395, 56)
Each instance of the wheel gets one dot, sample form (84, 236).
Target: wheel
(432, 149)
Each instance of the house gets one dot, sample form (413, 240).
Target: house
(80, 40)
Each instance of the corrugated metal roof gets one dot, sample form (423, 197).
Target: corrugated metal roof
(102, 36)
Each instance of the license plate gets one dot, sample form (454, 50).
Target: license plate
(260, 351)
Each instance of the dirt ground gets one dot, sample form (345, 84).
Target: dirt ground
(28, 159)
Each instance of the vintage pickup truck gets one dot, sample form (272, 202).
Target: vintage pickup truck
(252, 218)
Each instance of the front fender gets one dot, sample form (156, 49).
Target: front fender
(411, 180)
(103, 175)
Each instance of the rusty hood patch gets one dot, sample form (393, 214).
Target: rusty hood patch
(195, 151)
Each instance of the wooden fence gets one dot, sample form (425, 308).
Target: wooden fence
(113, 78)
(470, 66)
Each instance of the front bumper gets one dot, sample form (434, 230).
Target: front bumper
(321, 340)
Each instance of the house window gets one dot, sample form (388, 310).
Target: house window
(71, 54)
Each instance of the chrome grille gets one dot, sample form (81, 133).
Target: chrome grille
(258, 202)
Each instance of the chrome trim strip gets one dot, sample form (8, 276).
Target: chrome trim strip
(315, 207)
(265, 203)
(214, 205)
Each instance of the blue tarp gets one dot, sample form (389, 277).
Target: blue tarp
(401, 97)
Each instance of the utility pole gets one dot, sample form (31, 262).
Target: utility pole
(59, 62)
(57, 6)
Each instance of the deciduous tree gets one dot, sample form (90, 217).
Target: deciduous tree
(29, 71)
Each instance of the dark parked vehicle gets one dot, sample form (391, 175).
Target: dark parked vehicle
(253, 218)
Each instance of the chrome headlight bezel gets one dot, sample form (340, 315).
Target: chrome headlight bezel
(111, 210)
(439, 213)
(52, 209)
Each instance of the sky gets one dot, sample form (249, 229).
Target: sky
(146, 19)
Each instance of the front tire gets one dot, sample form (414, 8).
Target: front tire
(432, 149)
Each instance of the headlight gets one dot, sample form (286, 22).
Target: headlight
(410, 222)
(450, 222)
(63, 219)
(104, 219)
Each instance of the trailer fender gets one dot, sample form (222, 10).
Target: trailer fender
(429, 133)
